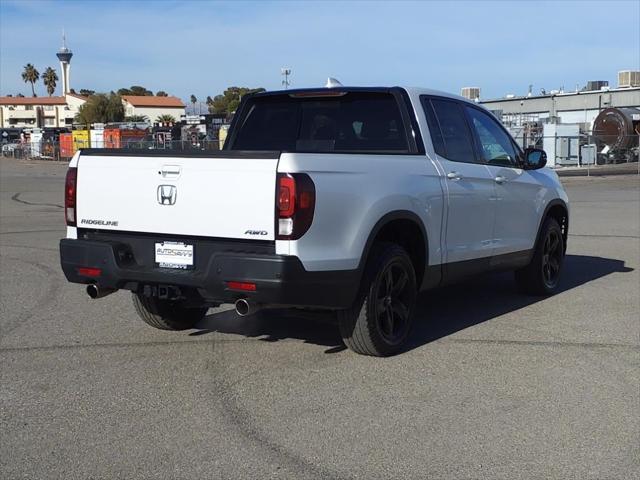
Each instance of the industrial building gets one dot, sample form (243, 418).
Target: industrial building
(565, 124)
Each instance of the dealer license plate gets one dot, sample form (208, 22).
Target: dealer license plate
(174, 255)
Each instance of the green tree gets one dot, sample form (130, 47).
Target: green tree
(49, 78)
(86, 92)
(161, 93)
(101, 108)
(135, 90)
(193, 101)
(30, 75)
(230, 99)
(166, 118)
(136, 118)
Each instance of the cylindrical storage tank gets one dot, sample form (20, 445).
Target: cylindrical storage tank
(66, 145)
(614, 127)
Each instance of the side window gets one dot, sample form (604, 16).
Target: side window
(434, 128)
(496, 146)
(455, 133)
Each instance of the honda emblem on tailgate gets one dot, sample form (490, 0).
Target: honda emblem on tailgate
(167, 194)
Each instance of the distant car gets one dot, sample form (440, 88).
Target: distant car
(346, 199)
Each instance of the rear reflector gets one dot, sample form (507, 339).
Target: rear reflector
(244, 286)
(89, 272)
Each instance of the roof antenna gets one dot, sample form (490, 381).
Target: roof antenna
(332, 83)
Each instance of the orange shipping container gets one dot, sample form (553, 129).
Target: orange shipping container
(119, 138)
(67, 147)
(111, 138)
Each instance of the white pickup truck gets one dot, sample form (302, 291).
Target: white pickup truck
(346, 199)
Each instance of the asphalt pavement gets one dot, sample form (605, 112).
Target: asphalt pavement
(494, 385)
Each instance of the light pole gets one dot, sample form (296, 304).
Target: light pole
(285, 72)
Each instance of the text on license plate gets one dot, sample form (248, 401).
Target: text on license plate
(174, 255)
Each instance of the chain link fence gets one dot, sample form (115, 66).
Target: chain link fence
(58, 151)
(562, 150)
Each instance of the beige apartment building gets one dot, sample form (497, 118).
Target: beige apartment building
(28, 112)
(153, 107)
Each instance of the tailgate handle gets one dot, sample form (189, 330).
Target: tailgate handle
(170, 171)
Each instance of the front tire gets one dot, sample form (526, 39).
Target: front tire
(542, 275)
(380, 319)
(166, 314)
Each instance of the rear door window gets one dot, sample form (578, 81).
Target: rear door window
(350, 122)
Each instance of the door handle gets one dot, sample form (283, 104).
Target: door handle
(500, 179)
(454, 176)
(170, 171)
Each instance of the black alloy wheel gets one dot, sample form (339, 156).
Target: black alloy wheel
(394, 297)
(552, 254)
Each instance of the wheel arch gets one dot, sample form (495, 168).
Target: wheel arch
(558, 210)
(406, 229)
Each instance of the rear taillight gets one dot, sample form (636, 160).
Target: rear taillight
(70, 186)
(295, 204)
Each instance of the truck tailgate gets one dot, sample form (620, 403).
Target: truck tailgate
(218, 194)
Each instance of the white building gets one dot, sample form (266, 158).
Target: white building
(153, 107)
(21, 112)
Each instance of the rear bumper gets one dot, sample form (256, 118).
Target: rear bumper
(279, 279)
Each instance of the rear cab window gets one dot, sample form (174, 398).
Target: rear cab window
(334, 122)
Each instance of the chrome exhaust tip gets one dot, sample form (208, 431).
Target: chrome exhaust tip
(244, 307)
(96, 292)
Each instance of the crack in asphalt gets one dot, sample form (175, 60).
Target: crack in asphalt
(602, 236)
(534, 343)
(16, 199)
(32, 231)
(49, 297)
(112, 345)
(541, 343)
(29, 247)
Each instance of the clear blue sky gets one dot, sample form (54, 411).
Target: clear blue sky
(201, 47)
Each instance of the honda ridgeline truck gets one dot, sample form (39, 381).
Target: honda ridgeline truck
(351, 200)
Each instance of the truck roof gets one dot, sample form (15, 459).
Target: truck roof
(410, 90)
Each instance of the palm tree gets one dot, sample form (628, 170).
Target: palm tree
(30, 75)
(166, 118)
(193, 102)
(50, 77)
(136, 118)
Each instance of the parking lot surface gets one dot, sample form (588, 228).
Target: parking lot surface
(495, 384)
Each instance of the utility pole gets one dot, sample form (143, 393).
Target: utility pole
(285, 72)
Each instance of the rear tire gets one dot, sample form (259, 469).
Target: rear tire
(380, 319)
(166, 314)
(542, 275)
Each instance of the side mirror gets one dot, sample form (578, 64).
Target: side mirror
(534, 158)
